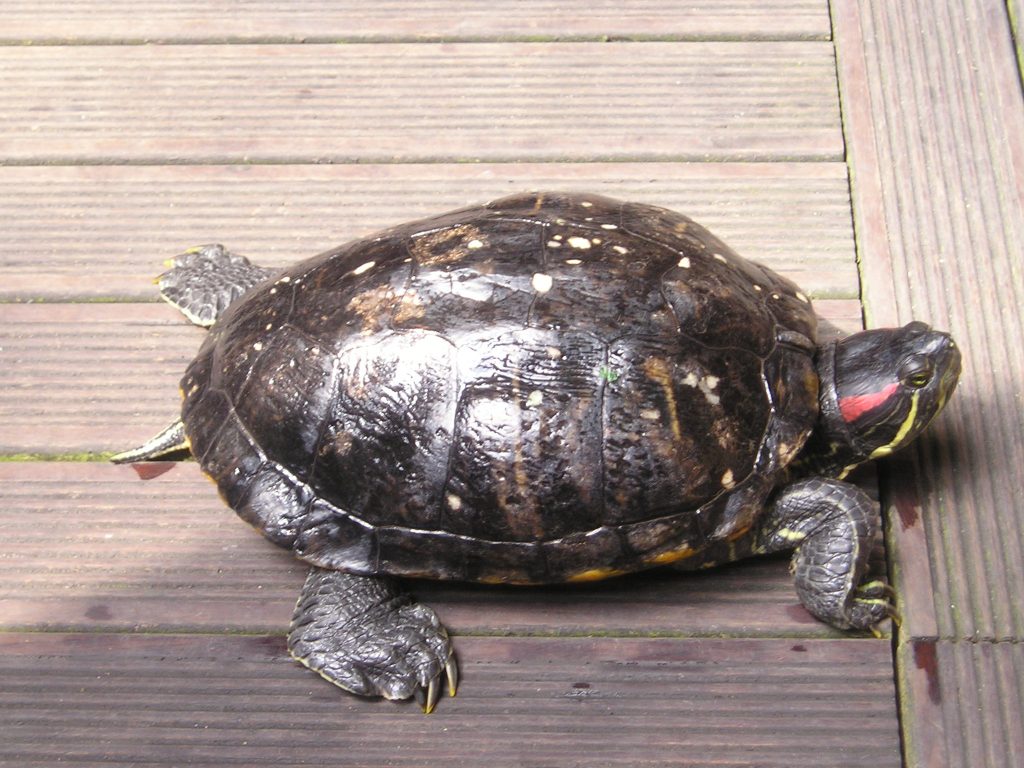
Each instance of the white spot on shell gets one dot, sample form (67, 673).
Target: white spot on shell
(364, 267)
(534, 399)
(554, 244)
(454, 501)
(609, 226)
(284, 279)
(257, 346)
(650, 414)
(573, 262)
(291, 363)
(720, 257)
(800, 295)
(579, 242)
(776, 296)
(542, 283)
(474, 244)
(620, 249)
(685, 262)
(554, 353)
(595, 240)
(727, 479)
(758, 288)
(587, 204)
(273, 290)
(558, 237)
(705, 384)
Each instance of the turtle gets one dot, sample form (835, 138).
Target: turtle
(548, 388)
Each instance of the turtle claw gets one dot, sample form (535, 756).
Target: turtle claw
(428, 696)
(428, 699)
(451, 669)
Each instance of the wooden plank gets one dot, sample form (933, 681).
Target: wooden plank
(399, 102)
(99, 547)
(317, 20)
(88, 378)
(954, 205)
(941, 137)
(173, 700)
(966, 702)
(82, 233)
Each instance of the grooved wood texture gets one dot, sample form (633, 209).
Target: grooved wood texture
(524, 701)
(986, 728)
(108, 229)
(954, 206)
(140, 621)
(103, 377)
(403, 102)
(166, 20)
(939, 139)
(154, 548)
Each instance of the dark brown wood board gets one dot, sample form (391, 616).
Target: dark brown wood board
(330, 22)
(936, 140)
(239, 700)
(141, 622)
(87, 233)
(415, 102)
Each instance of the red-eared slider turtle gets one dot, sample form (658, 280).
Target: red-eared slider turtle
(548, 388)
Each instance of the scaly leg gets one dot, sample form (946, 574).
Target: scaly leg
(832, 525)
(365, 635)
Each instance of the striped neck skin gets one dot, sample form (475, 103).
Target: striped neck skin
(878, 390)
(831, 449)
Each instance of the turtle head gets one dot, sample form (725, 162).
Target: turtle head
(882, 387)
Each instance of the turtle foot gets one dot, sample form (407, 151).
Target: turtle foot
(367, 636)
(832, 525)
(871, 605)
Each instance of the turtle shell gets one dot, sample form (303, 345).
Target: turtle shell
(545, 388)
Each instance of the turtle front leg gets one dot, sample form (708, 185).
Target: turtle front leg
(366, 635)
(832, 526)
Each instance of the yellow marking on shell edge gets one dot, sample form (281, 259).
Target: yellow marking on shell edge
(672, 556)
(511, 580)
(491, 580)
(904, 429)
(595, 574)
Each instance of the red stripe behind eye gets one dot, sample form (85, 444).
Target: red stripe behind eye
(855, 406)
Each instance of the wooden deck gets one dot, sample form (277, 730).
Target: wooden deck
(871, 150)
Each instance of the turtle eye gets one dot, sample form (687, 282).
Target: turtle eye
(916, 371)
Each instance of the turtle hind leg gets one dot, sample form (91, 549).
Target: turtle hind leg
(172, 440)
(204, 281)
(833, 526)
(365, 635)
